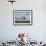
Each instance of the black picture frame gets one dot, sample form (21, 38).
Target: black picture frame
(22, 17)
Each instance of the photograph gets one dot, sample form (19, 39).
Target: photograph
(22, 17)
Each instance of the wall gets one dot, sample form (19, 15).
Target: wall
(37, 31)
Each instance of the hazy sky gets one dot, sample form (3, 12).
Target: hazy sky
(22, 13)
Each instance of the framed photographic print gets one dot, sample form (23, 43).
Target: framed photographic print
(22, 17)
